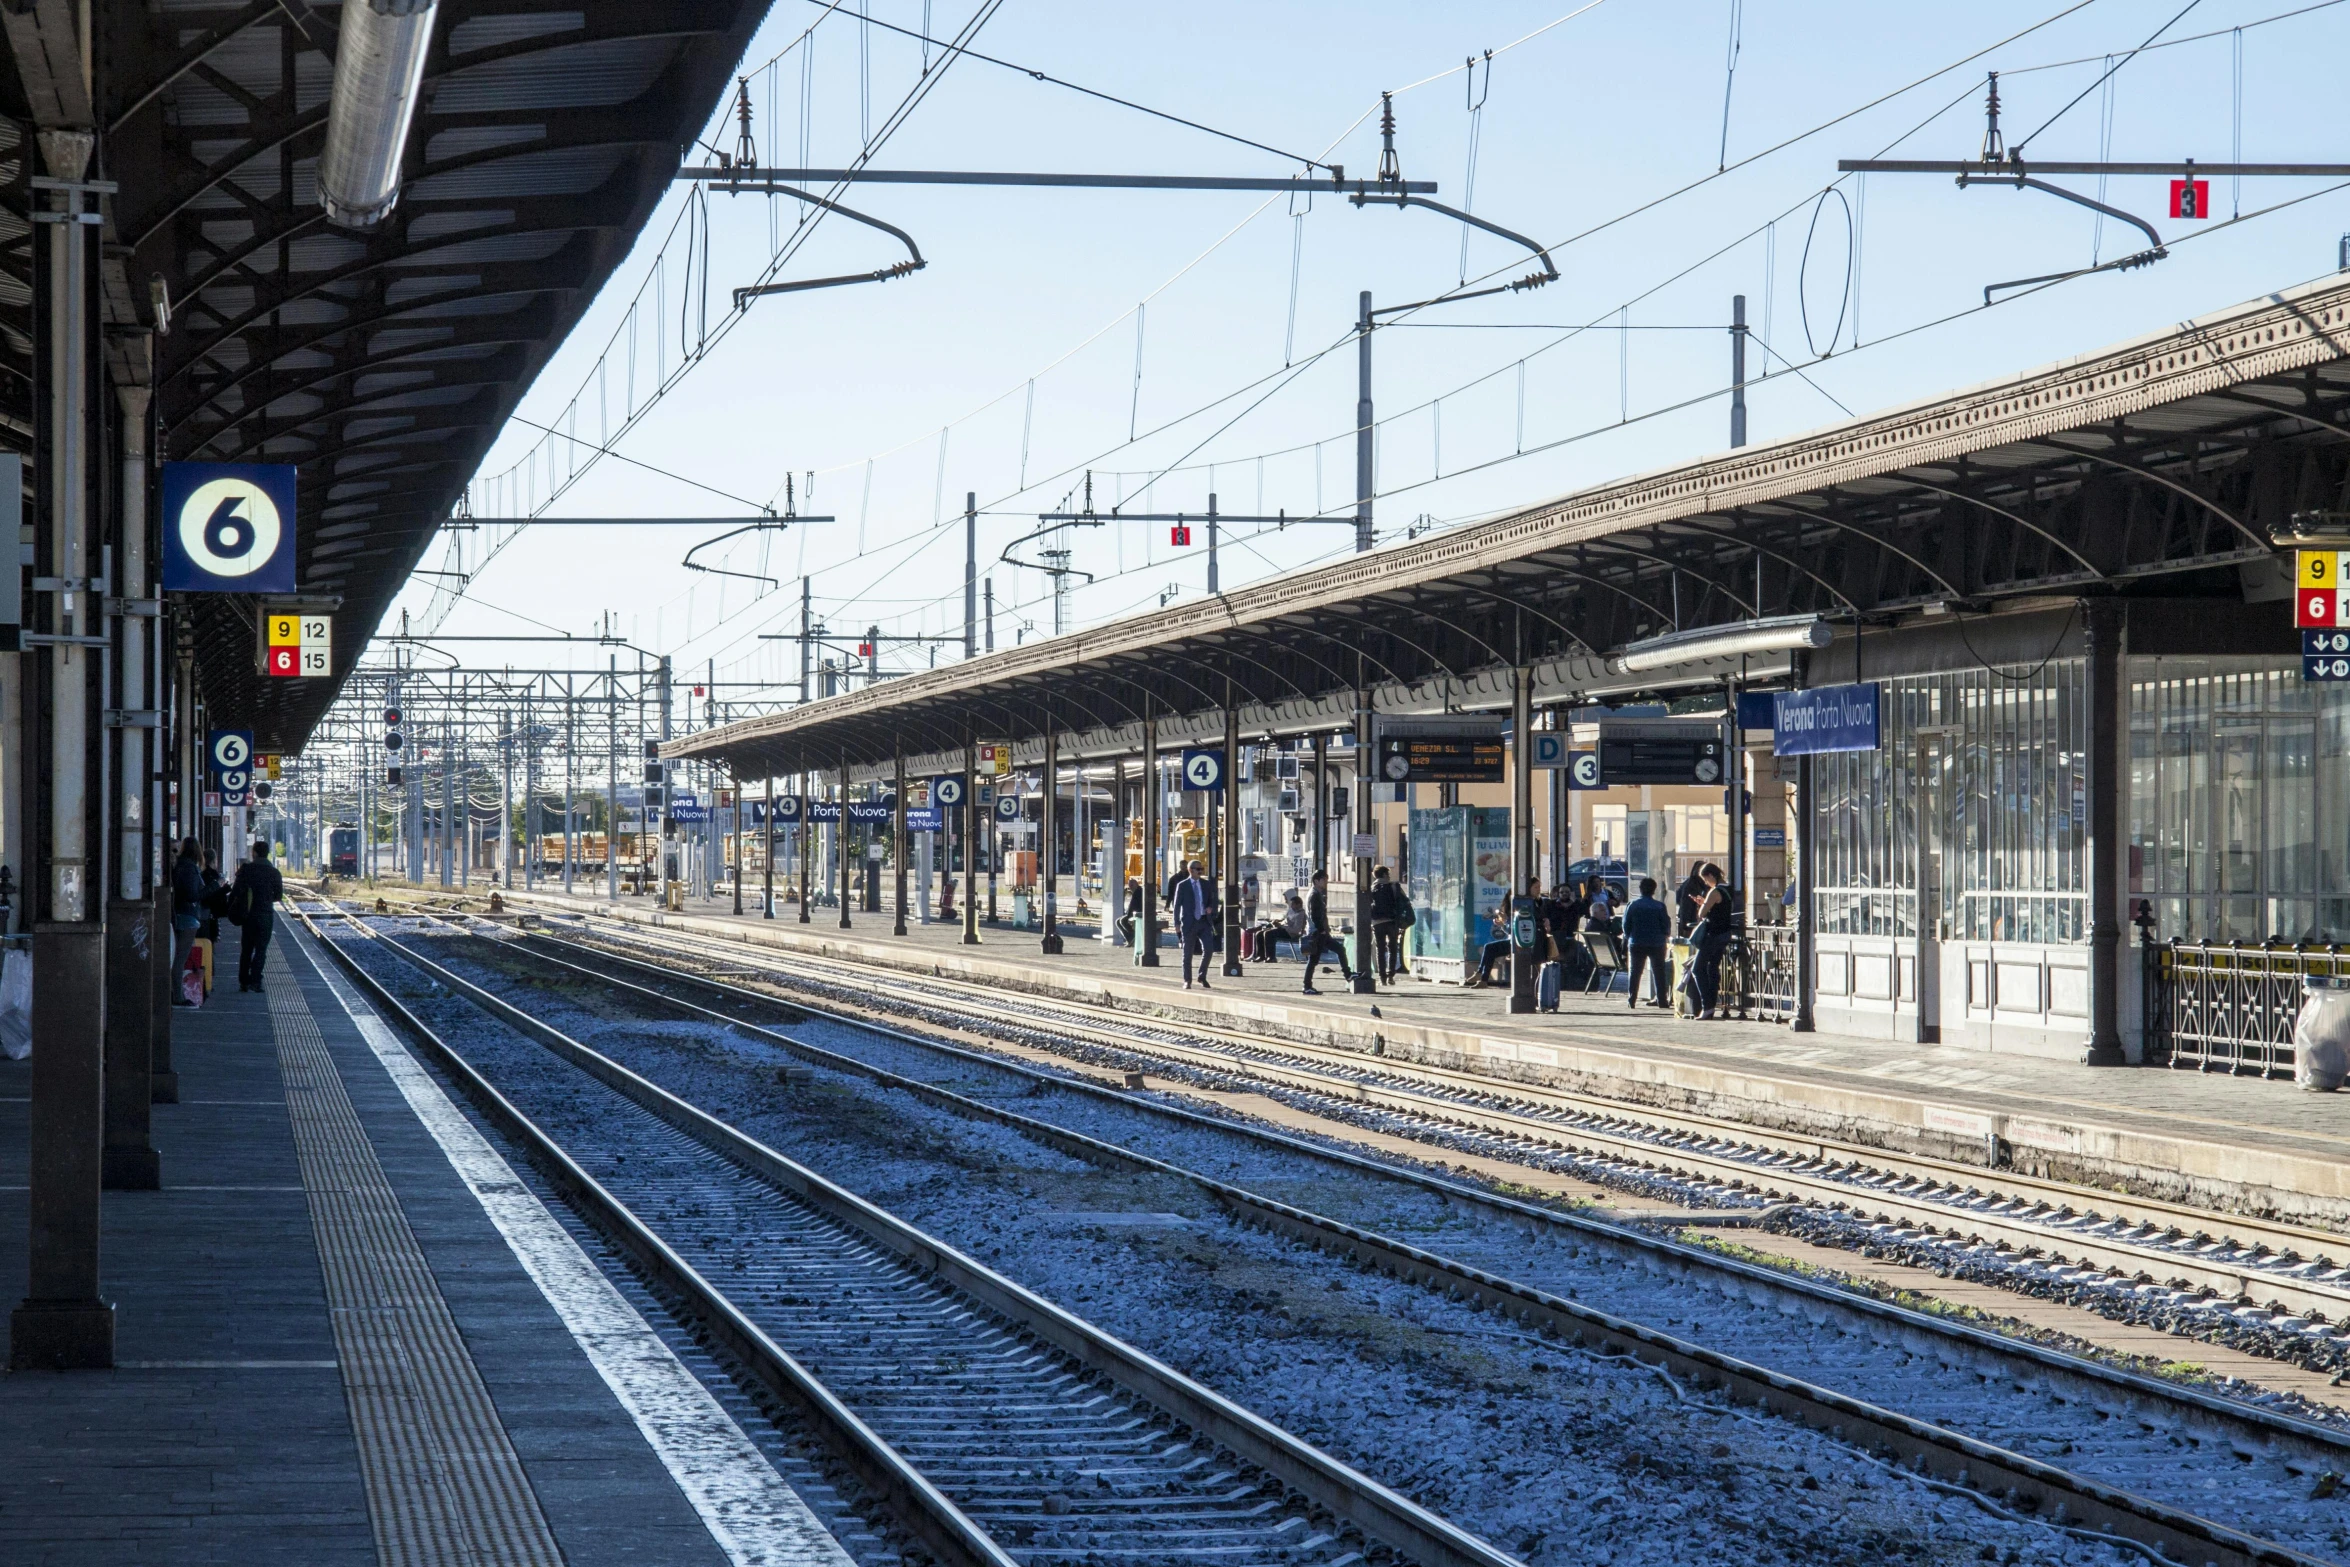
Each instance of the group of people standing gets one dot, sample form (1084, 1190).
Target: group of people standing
(1705, 914)
(200, 900)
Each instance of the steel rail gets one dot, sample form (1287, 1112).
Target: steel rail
(1381, 1514)
(1928, 1448)
(920, 1507)
(1353, 1076)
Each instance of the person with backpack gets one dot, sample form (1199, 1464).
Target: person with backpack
(1391, 915)
(252, 903)
(187, 915)
(215, 904)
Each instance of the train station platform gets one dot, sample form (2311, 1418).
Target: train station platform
(2232, 1143)
(329, 1348)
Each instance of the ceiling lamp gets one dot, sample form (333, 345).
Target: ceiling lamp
(1779, 634)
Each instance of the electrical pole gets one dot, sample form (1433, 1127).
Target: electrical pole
(612, 768)
(807, 635)
(1363, 427)
(668, 792)
(1737, 370)
(970, 573)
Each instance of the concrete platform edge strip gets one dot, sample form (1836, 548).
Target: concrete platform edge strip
(752, 1513)
(1912, 1122)
(443, 1482)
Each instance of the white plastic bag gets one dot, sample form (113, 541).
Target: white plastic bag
(2321, 1037)
(16, 1004)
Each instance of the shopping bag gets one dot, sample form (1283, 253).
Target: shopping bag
(192, 978)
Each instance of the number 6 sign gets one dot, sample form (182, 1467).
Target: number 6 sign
(228, 527)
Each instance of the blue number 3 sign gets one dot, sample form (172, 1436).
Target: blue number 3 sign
(228, 527)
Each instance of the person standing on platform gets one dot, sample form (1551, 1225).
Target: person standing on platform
(1387, 906)
(254, 898)
(1686, 898)
(1713, 938)
(1320, 937)
(1195, 918)
(1648, 929)
(187, 913)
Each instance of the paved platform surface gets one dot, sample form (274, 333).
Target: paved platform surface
(2228, 1142)
(226, 1434)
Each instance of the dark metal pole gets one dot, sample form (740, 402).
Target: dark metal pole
(970, 837)
(1229, 805)
(807, 835)
(1366, 966)
(1214, 582)
(767, 852)
(1152, 786)
(970, 582)
(1807, 961)
(1523, 956)
(1048, 839)
(741, 848)
(2102, 629)
(840, 840)
(1363, 428)
(898, 842)
(1738, 370)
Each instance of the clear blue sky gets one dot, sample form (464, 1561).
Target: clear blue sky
(1602, 114)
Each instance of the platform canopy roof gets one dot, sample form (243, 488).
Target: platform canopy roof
(2166, 466)
(381, 361)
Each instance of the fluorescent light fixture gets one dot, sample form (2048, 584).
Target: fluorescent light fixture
(379, 75)
(1776, 635)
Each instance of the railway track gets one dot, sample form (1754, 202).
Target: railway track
(2252, 1435)
(999, 1427)
(2240, 1261)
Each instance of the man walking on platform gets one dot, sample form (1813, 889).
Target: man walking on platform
(254, 898)
(1319, 936)
(1195, 918)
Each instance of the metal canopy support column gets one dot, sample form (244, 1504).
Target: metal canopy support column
(612, 769)
(132, 928)
(1366, 980)
(741, 851)
(1524, 953)
(969, 837)
(840, 841)
(1153, 786)
(1320, 863)
(806, 832)
(1230, 806)
(767, 853)
(1807, 958)
(63, 1324)
(897, 835)
(1049, 839)
(2107, 771)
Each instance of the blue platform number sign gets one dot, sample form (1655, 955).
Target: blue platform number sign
(1830, 718)
(787, 810)
(1583, 771)
(228, 527)
(1203, 770)
(1007, 808)
(947, 793)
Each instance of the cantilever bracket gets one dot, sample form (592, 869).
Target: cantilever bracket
(914, 262)
(2156, 250)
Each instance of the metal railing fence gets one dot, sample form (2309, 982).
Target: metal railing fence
(2214, 1007)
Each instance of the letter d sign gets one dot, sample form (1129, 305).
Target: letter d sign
(228, 527)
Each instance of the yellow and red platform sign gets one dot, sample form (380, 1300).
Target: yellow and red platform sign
(2321, 594)
(297, 646)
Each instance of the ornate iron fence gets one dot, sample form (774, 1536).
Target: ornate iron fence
(1766, 972)
(2230, 1008)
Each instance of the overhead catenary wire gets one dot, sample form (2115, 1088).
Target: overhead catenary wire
(1133, 421)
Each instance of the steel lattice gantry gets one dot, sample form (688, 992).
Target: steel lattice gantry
(2160, 468)
(381, 361)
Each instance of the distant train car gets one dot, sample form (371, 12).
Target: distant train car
(342, 851)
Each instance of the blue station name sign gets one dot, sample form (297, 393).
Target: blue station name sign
(1828, 718)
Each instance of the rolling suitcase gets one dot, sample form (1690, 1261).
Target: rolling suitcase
(1547, 981)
